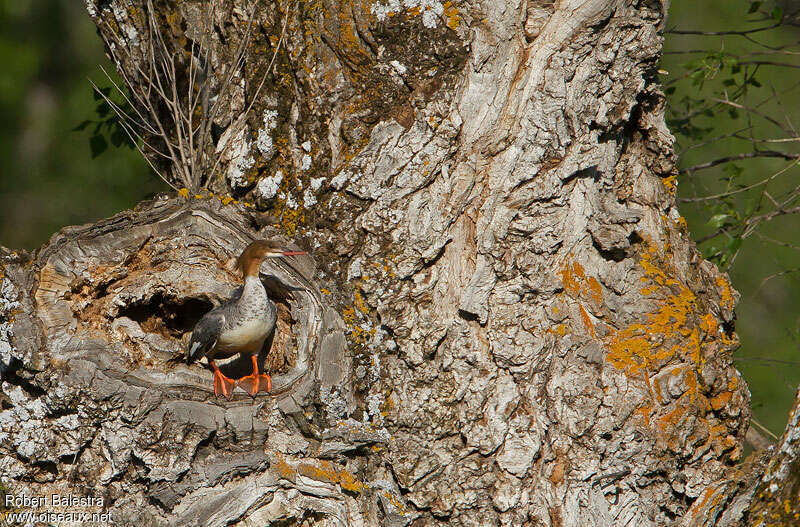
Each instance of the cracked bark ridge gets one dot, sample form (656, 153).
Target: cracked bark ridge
(520, 330)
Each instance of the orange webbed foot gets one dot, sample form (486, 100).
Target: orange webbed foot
(253, 384)
(222, 385)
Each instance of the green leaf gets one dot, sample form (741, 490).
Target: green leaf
(750, 206)
(118, 138)
(82, 126)
(777, 14)
(103, 109)
(754, 82)
(753, 8)
(718, 220)
(733, 170)
(98, 144)
(735, 244)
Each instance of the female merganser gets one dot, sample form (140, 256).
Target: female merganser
(240, 325)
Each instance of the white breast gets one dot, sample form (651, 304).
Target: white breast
(247, 336)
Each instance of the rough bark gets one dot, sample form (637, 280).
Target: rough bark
(503, 320)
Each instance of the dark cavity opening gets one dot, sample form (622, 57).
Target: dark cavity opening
(168, 316)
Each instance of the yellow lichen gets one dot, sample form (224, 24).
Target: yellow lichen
(184, 193)
(671, 183)
(349, 315)
(451, 12)
(360, 304)
(677, 330)
(639, 346)
(284, 469)
(725, 292)
(569, 277)
(325, 471)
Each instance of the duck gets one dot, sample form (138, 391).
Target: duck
(240, 325)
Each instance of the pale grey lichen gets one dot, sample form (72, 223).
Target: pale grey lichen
(374, 405)
(240, 163)
(306, 162)
(354, 271)
(431, 10)
(7, 419)
(121, 14)
(316, 183)
(338, 182)
(381, 10)
(8, 302)
(309, 199)
(8, 296)
(375, 368)
(398, 67)
(290, 201)
(264, 139)
(90, 8)
(267, 187)
(307, 146)
(335, 405)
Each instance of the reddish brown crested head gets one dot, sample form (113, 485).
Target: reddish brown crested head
(253, 255)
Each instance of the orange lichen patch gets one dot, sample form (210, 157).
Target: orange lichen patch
(451, 12)
(643, 414)
(388, 405)
(653, 271)
(360, 304)
(579, 286)
(284, 469)
(595, 289)
(709, 324)
(184, 193)
(708, 494)
(397, 504)
(639, 346)
(569, 278)
(725, 292)
(348, 482)
(361, 336)
(678, 331)
(349, 315)
(328, 473)
(721, 400)
(671, 183)
(671, 421)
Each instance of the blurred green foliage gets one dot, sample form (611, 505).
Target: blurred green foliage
(55, 125)
(47, 176)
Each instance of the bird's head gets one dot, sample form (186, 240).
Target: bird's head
(250, 260)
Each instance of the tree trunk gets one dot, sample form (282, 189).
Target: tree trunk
(503, 320)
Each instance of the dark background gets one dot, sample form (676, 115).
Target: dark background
(48, 178)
